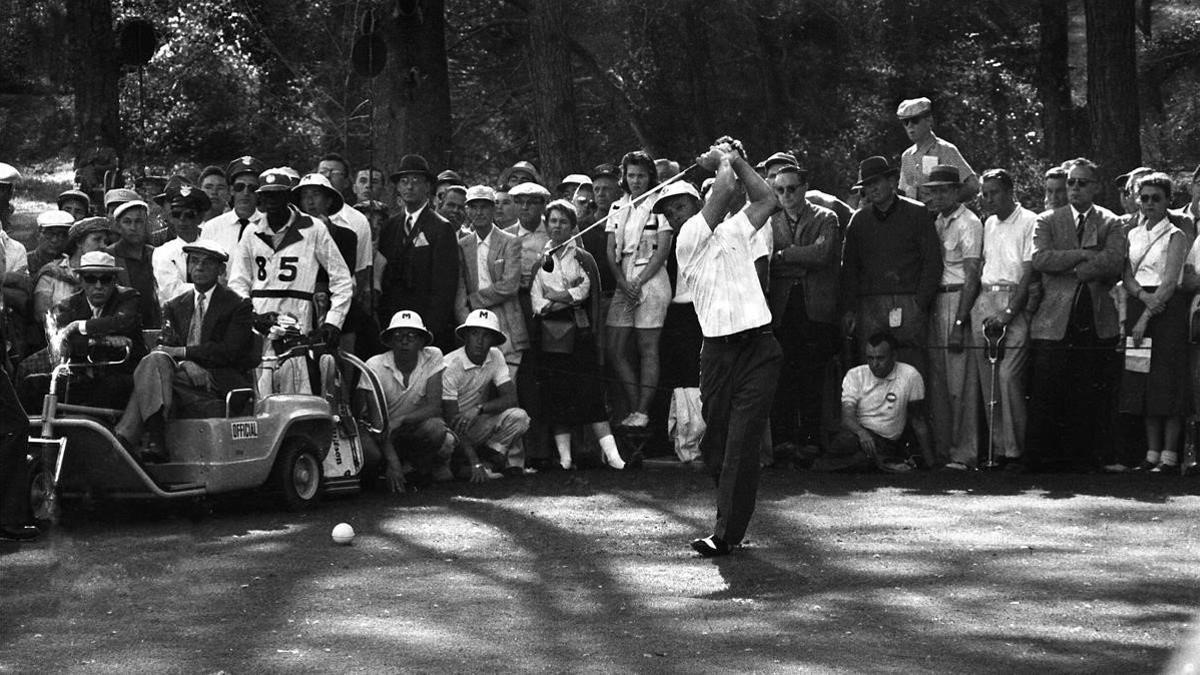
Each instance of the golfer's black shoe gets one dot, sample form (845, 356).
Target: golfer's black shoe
(19, 532)
(710, 547)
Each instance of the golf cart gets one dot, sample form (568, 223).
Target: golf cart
(299, 445)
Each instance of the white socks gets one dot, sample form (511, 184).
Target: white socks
(608, 446)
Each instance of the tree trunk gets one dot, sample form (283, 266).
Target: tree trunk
(553, 77)
(1054, 80)
(97, 75)
(1112, 99)
(412, 94)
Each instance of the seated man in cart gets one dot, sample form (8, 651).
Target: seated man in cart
(205, 351)
(101, 320)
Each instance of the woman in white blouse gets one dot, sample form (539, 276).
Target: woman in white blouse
(564, 300)
(1158, 313)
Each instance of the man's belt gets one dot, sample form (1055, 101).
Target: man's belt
(742, 336)
(280, 293)
(949, 288)
(996, 288)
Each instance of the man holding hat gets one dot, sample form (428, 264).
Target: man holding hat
(490, 272)
(953, 379)
(891, 264)
(103, 313)
(803, 300)
(273, 263)
(184, 207)
(421, 249)
(205, 351)
(135, 256)
(410, 374)
(479, 400)
(928, 151)
(227, 228)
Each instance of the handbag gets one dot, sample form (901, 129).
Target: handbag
(1137, 358)
(558, 336)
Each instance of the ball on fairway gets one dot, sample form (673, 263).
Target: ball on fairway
(342, 534)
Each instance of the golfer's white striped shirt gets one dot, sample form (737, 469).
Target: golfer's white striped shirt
(718, 266)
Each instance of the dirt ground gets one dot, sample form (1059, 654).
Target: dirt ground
(590, 572)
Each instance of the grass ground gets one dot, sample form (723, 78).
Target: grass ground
(590, 572)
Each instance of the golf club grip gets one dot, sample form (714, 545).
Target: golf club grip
(636, 200)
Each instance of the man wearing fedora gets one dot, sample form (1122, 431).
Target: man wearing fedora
(928, 151)
(953, 379)
(100, 315)
(227, 228)
(891, 264)
(479, 401)
(205, 351)
(410, 373)
(422, 255)
(490, 273)
(184, 207)
(1080, 250)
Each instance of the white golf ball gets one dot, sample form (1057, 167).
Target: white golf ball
(343, 534)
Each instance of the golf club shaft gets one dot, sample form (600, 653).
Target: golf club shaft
(634, 202)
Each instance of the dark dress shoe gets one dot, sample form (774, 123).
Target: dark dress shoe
(19, 532)
(710, 547)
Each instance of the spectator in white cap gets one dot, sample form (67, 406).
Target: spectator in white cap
(928, 151)
(8, 180)
(135, 256)
(53, 228)
(76, 203)
(116, 197)
(410, 373)
(206, 349)
(479, 400)
(490, 274)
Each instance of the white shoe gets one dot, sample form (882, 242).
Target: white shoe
(614, 462)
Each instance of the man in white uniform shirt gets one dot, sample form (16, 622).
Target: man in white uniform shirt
(227, 228)
(740, 359)
(1003, 292)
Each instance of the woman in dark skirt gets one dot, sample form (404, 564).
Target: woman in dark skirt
(564, 301)
(1156, 309)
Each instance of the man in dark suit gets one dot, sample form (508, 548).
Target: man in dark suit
(1080, 250)
(206, 350)
(102, 318)
(421, 250)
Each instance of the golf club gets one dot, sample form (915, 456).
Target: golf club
(993, 339)
(548, 263)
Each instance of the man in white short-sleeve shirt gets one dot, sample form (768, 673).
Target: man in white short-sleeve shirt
(479, 399)
(881, 400)
(1003, 293)
(740, 358)
(410, 376)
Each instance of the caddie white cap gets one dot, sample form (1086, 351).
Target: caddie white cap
(483, 318)
(47, 219)
(406, 318)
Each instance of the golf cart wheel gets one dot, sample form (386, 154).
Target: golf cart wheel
(43, 503)
(298, 473)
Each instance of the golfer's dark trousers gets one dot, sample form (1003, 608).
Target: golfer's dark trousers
(738, 375)
(1072, 402)
(14, 470)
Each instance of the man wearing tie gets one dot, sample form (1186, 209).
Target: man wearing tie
(1079, 249)
(227, 228)
(422, 256)
(206, 350)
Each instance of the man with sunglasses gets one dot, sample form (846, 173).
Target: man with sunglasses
(803, 300)
(1080, 250)
(184, 206)
(227, 228)
(100, 316)
(928, 151)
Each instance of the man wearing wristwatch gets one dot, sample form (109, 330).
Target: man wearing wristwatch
(1007, 272)
(953, 378)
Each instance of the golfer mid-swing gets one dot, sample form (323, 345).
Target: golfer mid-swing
(740, 359)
